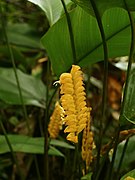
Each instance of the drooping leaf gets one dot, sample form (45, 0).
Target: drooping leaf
(130, 174)
(5, 60)
(28, 144)
(129, 110)
(52, 8)
(59, 143)
(55, 152)
(128, 159)
(33, 90)
(103, 5)
(88, 42)
(21, 34)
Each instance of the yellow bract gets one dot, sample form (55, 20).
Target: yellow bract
(55, 123)
(73, 101)
(87, 142)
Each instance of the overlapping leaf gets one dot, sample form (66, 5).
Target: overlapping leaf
(21, 34)
(52, 8)
(33, 90)
(129, 154)
(88, 42)
(103, 5)
(28, 144)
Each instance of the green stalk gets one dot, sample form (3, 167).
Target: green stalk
(127, 78)
(46, 116)
(122, 157)
(125, 90)
(14, 67)
(70, 32)
(51, 98)
(104, 94)
(74, 169)
(49, 104)
(104, 159)
(109, 173)
(17, 79)
(14, 159)
(132, 24)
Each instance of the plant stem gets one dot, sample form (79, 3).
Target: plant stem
(14, 68)
(17, 79)
(46, 116)
(70, 32)
(125, 90)
(127, 79)
(51, 98)
(122, 157)
(46, 146)
(109, 174)
(104, 159)
(104, 94)
(14, 159)
(132, 24)
(75, 162)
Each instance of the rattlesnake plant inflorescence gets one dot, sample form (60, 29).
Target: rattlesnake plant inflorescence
(87, 142)
(73, 101)
(55, 123)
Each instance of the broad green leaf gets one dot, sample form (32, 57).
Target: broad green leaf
(129, 157)
(88, 42)
(28, 144)
(129, 110)
(5, 52)
(33, 90)
(52, 8)
(103, 5)
(129, 174)
(21, 34)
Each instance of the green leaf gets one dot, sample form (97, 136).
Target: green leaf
(129, 110)
(52, 8)
(33, 90)
(28, 144)
(87, 177)
(22, 34)
(129, 157)
(103, 5)
(59, 143)
(88, 42)
(131, 174)
(4, 52)
(55, 152)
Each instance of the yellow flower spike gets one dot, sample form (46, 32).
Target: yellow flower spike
(73, 101)
(87, 142)
(55, 123)
(129, 178)
(67, 102)
(80, 97)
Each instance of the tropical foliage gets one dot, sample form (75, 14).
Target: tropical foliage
(64, 101)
